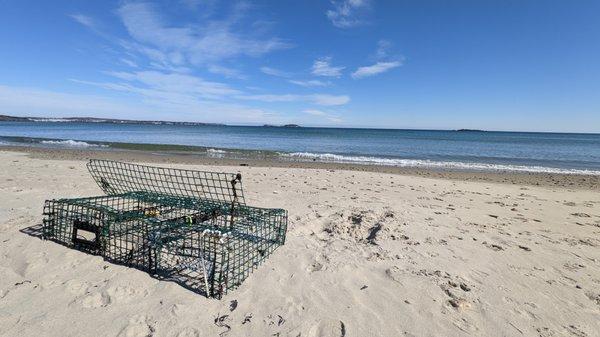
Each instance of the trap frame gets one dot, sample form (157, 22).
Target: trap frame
(191, 227)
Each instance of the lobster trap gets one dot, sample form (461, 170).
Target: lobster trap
(191, 227)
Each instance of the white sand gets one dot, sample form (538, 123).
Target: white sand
(452, 258)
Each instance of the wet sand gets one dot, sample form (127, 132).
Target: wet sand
(574, 181)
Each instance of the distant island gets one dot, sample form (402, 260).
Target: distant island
(5, 118)
(469, 130)
(282, 126)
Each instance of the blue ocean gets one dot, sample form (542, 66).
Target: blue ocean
(462, 150)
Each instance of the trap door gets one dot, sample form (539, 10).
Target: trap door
(115, 177)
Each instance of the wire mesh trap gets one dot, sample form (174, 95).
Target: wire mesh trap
(191, 227)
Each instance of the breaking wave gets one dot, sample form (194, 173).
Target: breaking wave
(71, 143)
(399, 162)
(216, 151)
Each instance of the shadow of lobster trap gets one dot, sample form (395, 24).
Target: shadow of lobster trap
(190, 227)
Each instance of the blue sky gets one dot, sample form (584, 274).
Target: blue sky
(498, 65)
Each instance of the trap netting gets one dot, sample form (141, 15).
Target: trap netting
(187, 226)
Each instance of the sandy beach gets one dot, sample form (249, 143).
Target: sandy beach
(455, 254)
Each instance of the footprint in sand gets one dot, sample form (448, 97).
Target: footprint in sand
(328, 328)
(185, 332)
(95, 300)
(395, 274)
(138, 326)
(123, 294)
(315, 266)
(595, 297)
(575, 331)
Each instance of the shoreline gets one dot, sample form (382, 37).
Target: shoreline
(560, 180)
(454, 164)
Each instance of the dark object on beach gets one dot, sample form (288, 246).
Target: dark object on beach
(191, 227)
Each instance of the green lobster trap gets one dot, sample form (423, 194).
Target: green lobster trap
(191, 227)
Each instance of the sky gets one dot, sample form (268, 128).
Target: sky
(520, 65)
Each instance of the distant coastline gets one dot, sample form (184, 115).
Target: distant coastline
(470, 130)
(6, 118)
(281, 126)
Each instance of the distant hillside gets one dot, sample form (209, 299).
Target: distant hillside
(469, 130)
(282, 126)
(5, 118)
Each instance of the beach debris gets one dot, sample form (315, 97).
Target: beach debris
(247, 318)
(233, 305)
(525, 248)
(275, 320)
(459, 303)
(220, 322)
(465, 287)
(373, 233)
(22, 282)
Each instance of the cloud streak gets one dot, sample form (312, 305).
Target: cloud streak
(348, 13)
(377, 68)
(323, 67)
(274, 72)
(322, 114)
(310, 83)
(318, 99)
(84, 20)
(41, 103)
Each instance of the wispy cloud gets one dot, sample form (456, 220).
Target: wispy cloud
(40, 102)
(274, 72)
(302, 83)
(156, 104)
(327, 115)
(164, 59)
(328, 100)
(383, 47)
(314, 112)
(377, 68)
(348, 13)
(159, 84)
(225, 71)
(129, 62)
(323, 67)
(198, 44)
(310, 83)
(204, 5)
(84, 20)
(89, 23)
(318, 99)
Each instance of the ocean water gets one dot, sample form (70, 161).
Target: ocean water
(506, 151)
